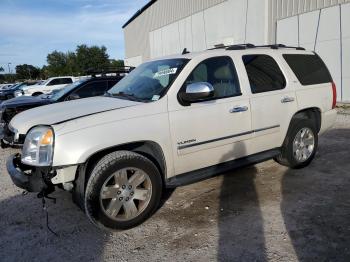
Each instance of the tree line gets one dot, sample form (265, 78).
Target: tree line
(76, 63)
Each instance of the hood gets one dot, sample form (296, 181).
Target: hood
(25, 101)
(66, 111)
(6, 91)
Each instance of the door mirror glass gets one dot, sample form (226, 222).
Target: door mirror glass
(197, 92)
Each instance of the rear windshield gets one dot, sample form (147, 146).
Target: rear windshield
(309, 69)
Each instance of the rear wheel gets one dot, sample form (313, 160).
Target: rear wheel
(123, 190)
(300, 145)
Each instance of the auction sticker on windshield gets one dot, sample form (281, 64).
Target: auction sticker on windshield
(170, 71)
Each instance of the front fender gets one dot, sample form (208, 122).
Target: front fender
(75, 147)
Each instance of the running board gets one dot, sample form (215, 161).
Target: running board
(212, 171)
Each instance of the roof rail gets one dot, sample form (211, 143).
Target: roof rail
(248, 46)
(277, 46)
(240, 46)
(116, 70)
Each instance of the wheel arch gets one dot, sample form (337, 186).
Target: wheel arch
(312, 113)
(148, 149)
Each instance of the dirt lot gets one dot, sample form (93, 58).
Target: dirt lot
(261, 213)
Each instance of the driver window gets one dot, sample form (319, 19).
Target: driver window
(220, 73)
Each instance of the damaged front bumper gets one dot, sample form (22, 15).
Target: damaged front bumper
(31, 179)
(36, 179)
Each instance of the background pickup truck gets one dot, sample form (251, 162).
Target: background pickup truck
(47, 86)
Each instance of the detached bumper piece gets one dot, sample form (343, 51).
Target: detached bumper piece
(2, 131)
(7, 137)
(28, 178)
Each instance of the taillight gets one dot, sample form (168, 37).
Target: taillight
(334, 91)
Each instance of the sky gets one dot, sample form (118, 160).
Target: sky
(30, 29)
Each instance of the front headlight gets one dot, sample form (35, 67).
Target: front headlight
(18, 93)
(38, 147)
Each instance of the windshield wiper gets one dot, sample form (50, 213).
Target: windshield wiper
(128, 96)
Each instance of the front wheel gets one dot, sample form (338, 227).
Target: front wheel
(124, 189)
(300, 145)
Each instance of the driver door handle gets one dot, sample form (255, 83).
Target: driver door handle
(238, 109)
(287, 99)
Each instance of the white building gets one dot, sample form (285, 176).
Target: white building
(165, 27)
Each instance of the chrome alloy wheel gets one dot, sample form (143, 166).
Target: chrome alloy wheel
(303, 144)
(126, 194)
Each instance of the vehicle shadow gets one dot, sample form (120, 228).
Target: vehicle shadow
(240, 221)
(24, 236)
(316, 202)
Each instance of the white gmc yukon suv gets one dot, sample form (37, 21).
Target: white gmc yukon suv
(171, 122)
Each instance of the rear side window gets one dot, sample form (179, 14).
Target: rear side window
(264, 73)
(66, 81)
(112, 83)
(309, 69)
(96, 88)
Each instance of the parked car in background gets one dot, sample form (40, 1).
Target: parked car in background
(47, 86)
(9, 93)
(88, 87)
(5, 86)
(175, 121)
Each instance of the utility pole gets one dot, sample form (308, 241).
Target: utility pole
(30, 76)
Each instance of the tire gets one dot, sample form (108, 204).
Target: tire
(109, 204)
(291, 149)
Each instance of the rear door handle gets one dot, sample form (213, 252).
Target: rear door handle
(287, 99)
(238, 109)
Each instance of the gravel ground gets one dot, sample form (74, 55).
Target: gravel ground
(260, 213)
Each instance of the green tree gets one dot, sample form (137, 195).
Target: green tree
(57, 63)
(27, 72)
(91, 58)
(116, 63)
(76, 63)
(1, 69)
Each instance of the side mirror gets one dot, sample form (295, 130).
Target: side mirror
(197, 92)
(73, 97)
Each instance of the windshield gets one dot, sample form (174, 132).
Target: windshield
(18, 86)
(57, 95)
(14, 86)
(150, 81)
(42, 82)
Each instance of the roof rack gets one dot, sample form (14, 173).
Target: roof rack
(116, 70)
(248, 46)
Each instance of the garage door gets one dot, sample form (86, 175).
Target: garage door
(327, 31)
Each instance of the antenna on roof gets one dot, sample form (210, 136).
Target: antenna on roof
(185, 51)
(217, 46)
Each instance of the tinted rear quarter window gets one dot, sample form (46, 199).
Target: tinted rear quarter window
(66, 81)
(309, 69)
(264, 73)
